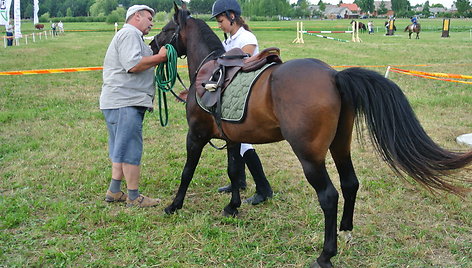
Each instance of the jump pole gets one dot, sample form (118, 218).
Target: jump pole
(327, 31)
(355, 32)
(327, 37)
(299, 39)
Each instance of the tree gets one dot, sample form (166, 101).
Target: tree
(365, 5)
(426, 11)
(462, 7)
(157, 5)
(103, 7)
(382, 8)
(201, 6)
(322, 5)
(400, 6)
(28, 13)
(302, 10)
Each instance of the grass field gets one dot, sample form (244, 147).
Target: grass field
(54, 169)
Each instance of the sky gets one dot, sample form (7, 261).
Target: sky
(445, 3)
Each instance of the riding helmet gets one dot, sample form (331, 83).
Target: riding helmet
(221, 6)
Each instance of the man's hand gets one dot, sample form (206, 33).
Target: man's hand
(150, 61)
(163, 53)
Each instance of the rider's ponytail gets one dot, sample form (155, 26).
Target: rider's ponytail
(240, 21)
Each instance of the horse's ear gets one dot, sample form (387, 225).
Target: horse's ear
(176, 13)
(176, 8)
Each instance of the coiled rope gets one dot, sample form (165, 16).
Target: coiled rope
(165, 75)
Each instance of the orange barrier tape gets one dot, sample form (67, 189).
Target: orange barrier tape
(459, 76)
(377, 66)
(52, 71)
(430, 77)
(64, 70)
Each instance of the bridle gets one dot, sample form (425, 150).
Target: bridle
(174, 42)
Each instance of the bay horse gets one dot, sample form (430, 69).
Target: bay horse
(413, 29)
(39, 26)
(313, 107)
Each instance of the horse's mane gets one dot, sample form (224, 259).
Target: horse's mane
(209, 37)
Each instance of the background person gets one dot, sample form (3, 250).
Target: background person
(9, 34)
(127, 93)
(370, 27)
(414, 21)
(228, 16)
(60, 27)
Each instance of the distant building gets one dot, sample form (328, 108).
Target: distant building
(335, 12)
(388, 5)
(352, 7)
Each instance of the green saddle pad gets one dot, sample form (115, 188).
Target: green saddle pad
(236, 95)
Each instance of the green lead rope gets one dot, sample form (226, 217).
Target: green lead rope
(165, 75)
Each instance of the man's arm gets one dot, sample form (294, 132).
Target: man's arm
(150, 61)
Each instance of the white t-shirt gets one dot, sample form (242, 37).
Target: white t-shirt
(240, 39)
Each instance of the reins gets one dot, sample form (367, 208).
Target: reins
(165, 75)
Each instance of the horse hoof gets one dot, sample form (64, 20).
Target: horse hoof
(229, 213)
(169, 210)
(345, 236)
(315, 264)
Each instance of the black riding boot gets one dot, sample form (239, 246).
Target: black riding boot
(242, 180)
(263, 189)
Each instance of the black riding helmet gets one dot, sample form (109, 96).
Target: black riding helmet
(225, 6)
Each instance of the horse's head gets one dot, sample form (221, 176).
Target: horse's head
(173, 32)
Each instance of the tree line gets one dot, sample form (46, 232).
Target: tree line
(251, 8)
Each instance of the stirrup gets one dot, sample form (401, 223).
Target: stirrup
(211, 87)
(213, 83)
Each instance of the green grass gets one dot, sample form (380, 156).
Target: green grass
(54, 169)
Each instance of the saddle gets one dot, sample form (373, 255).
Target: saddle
(215, 75)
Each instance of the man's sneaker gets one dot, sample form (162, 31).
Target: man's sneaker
(115, 197)
(142, 202)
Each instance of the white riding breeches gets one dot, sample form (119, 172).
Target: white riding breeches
(245, 147)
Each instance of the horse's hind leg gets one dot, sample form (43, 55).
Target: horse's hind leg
(235, 167)
(341, 152)
(194, 151)
(328, 197)
(313, 163)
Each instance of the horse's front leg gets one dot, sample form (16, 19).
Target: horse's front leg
(194, 151)
(235, 167)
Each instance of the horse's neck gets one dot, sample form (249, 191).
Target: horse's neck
(198, 50)
(195, 58)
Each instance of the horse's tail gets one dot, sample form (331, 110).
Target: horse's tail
(407, 28)
(396, 132)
